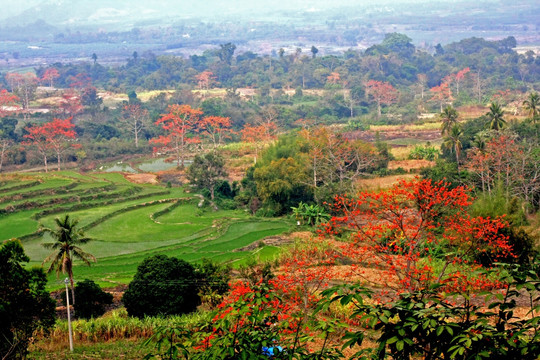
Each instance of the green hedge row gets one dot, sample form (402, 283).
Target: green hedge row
(57, 191)
(19, 187)
(27, 205)
(124, 210)
(88, 205)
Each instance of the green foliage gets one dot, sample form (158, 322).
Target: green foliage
(426, 152)
(24, 303)
(91, 300)
(162, 286)
(310, 214)
(206, 171)
(425, 323)
(213, 280)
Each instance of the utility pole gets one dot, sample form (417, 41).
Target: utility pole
(69, 317)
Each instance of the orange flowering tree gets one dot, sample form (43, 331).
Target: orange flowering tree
(178, 123)
(383, 93)
(49, 76)
(259, 135)
(216, 128)
(54, 136)
(405, 230)
(442, 94)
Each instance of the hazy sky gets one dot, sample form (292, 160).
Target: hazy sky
(12, 8)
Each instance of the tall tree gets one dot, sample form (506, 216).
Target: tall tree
(382, 92)
(496, 116)
(67, 237)
(49, 76)
(532, 104)
(206, 171)
(215, 128)
(178, 123)
(25, 304)
(442, 94)
(226, 52)
(7, 136)
(452, 141)
(7, 101)
(449, 117)
(36, 138)
(135, 117)
(314, 51)
(259, 135)
(59, 134)
(24, 85)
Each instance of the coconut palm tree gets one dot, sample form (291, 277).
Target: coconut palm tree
(533, 105)
(449, 117)
(452, 141)
(67, 236)
(495, 116)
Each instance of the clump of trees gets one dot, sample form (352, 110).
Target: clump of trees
(25, 305)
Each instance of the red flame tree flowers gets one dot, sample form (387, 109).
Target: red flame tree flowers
(52, 136)
(401, 229)
(177, 123)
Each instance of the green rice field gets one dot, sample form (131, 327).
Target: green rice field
(126, 221)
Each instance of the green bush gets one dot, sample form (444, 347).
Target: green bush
(162, 286)
(25, 305)
(90, 299)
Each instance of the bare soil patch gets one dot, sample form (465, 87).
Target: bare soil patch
(142, 178)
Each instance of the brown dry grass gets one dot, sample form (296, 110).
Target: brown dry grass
(382, 182)
(410, 164)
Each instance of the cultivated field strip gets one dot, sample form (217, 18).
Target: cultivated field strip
(126, 221)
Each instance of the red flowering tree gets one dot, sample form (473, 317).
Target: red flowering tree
(259, 135)
(178, 124)
(49, 76)
(7, 101)
(456, 78)
(215, 128)
(205, 79)
(70, 104)
(333, 78)
(442, 94)
(55, 136)
(400, 230)
(383, 93)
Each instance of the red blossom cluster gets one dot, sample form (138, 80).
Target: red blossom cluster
(398, 230)
(52, 136)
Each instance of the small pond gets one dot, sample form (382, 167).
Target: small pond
(159, 165)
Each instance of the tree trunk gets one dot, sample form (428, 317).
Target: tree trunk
(2, 153)
(136, 135)
(45, 161)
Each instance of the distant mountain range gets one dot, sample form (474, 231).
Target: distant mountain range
(119, 14)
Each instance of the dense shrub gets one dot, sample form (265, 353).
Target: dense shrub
(25, 305)
(162, 286)
(91, 300)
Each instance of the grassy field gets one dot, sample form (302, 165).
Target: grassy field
(126, 221)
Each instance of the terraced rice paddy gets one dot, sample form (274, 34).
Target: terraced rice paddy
(127, 221)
